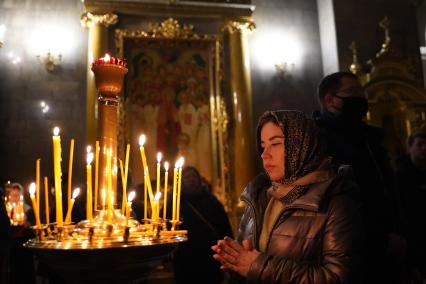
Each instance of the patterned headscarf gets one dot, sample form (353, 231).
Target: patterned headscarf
(304, 147)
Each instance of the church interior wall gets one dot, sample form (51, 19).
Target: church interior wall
(25, 131)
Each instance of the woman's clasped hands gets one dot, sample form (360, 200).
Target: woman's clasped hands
(235, 257)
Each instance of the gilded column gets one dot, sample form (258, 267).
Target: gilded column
(97, 47)
(240, 83)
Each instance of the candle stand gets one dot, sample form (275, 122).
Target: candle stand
(105, 248)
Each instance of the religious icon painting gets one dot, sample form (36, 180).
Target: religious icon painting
(173, 95)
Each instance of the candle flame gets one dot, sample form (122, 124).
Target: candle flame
(179, 162)
(106, 58)
(89, 149)
(142, 140)
(131, 196)
(76, 192)
(89, 158)
(166, 166)
(159, 157)
(56, 131)
(32, 188)
(157, 196)
(21, 197)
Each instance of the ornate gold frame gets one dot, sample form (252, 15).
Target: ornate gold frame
(168, 30)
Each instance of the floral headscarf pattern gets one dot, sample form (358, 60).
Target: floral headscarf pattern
(304, 148)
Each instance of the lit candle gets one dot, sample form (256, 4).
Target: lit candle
(159, 156)
(145, 195)
(156, 207)
(89, 202)
(129, 206)
(166, 176)
(106, 58)
(75, 193)
(126, 165)
(175, 176)
(179, 188)
(142, 140)
(96, 173)
(57, 173)
(124, 204)
(33, 200)
(71, 158)
(38, 186)
(46, 201)
(124, 176)
(109, 186)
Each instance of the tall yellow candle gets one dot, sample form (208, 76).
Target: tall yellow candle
(126, 172)
(70, 161)
(159, 156)
(75, 193)
(96, 173)
(58, 175)
(46, 201)
(145, 195)
(166, 176)
(175, 176)
(109, 188)
(33, 200)
(179, 189)
(142, 140)
(38, 186)
(129, 206)
(156, 208)
(123, 185)
(89, 201)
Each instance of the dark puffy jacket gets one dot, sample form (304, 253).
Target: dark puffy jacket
(316, 239)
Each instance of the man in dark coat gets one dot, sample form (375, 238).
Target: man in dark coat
(411, 180)
(352, 142)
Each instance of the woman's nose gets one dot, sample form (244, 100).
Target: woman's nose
(265, 153)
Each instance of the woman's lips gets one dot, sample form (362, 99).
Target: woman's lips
(269, 167)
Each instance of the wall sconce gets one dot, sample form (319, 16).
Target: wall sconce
(277, 50)
(50, 61)
(2, 32)
(51, 43)
(284, 68)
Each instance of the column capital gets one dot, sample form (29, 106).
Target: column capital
(88, 19)
(239, 26)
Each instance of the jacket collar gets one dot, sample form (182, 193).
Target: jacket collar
(312, 198)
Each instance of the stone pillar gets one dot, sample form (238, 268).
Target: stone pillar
(240, 88)
(97, 47)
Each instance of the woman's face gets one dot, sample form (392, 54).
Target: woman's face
(273, 154)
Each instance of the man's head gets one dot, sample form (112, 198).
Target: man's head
(417, 148)
(342, 93)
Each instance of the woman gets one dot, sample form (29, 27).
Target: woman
(301, 223)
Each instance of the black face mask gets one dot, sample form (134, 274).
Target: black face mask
(354, 108)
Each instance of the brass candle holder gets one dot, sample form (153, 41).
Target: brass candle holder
(109, 242)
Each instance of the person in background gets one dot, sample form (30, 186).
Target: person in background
(21, 263)
(206, 221)
(411, 180)
(301, 223)
(351, 141)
